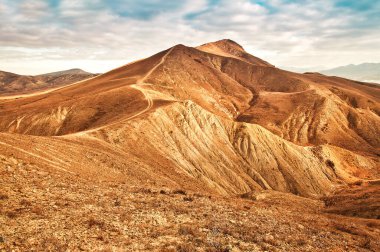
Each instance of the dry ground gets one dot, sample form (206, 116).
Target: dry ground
(52, 211)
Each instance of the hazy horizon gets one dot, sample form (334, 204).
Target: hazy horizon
(97, 36)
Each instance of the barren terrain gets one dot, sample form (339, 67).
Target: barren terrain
(192, 149)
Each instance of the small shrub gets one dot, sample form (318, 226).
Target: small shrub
(144, 190)
(198, 195)
(12, 214)
(301, 242)
(346, 229)
(125, 216)
(52, 244)
(186, 247)
(37, 210)
(373, 224)
(92, 222)
(117, 203)
(169, 249)
(330, 163)
(329, 201)
(245, 195)
(366, 243)
(187, 230)
(218, 247)
(179, 191)
(188, 199)
(25, 202)
(3, 196)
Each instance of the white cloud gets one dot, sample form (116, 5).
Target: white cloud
(303, 33)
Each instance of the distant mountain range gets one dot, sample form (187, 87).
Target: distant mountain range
(14, 83)
(368, 72)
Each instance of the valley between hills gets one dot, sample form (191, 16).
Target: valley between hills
(202, 148)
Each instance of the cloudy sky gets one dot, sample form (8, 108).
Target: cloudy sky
(98, 35)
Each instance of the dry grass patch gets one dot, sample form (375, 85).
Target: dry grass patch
(3, 196)
(179, 191)
(94, 222)
(188, 230)
(186, 247)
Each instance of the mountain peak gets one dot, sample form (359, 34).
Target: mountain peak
(228, 42)
(179, 47)
(224, 44)
(229, 48)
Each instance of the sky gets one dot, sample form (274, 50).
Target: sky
(39, 36)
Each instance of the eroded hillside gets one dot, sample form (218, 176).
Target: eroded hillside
(209, 122)
(184, 107)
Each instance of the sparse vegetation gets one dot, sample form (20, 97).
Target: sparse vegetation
(186, 247)
(12, 214)
(330, 163)
(179, 191)
(94, 222)
(190, 199)
(188, 230)
(37, 210)
(25, 202)
(217, 224)
(3, 196)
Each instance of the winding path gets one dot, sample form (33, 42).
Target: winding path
(137, 86)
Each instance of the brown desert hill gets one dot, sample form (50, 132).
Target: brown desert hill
(197, 112)
(184, 105)
(294, 106)
(11, 83)
(208, 131)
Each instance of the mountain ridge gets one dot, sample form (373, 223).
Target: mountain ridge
(11, 83)
(369, 72)
(294, 107)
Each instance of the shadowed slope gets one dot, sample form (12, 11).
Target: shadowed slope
(306, 109)
(231, 157)
(191, 148)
